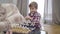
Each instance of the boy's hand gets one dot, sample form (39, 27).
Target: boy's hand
(28, 17)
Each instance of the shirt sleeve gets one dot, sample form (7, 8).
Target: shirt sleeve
(37, 18)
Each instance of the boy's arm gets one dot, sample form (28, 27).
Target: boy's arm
(37, 20)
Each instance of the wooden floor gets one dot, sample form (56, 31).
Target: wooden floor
(52, 29)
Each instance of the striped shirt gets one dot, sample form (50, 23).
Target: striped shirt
(35, 18)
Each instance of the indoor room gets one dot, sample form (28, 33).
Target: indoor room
(29, 17)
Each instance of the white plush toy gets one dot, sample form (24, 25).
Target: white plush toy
(9, 14)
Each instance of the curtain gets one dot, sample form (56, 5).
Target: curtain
(9, 1)
(48, 12)
(52, 12)
(23, 6)
(56, 12)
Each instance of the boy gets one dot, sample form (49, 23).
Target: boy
(34, 16)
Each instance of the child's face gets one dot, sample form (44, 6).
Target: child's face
(2, 13)
(33, 9)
